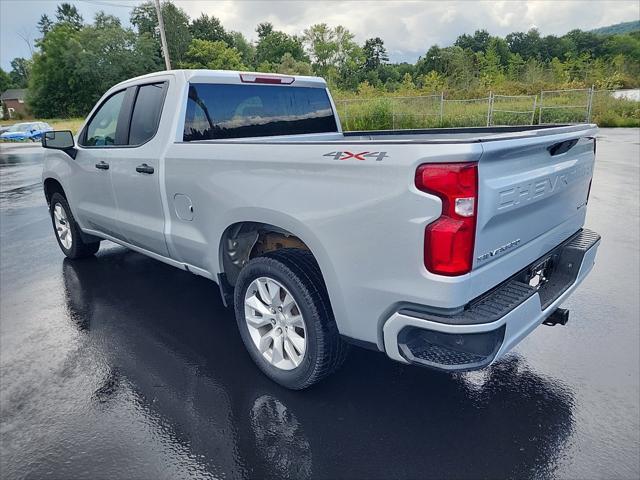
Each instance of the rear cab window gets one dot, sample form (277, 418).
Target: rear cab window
(225, 111)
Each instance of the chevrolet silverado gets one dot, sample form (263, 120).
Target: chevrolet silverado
(441, 248)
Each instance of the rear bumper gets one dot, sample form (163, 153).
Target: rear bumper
(494, 323)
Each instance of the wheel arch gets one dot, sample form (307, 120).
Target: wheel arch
(52, 185)
(253, 227)
(246, 239)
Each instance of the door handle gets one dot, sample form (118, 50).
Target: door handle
(144, 168)
(102, 165)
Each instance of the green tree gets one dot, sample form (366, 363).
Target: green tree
(501, 49)
(290, 66)
(534, 71)
(246, 50)
(334, 53)
(73, 68)
(454, 63)
(115, 53)
(375, 54)
(528, 45)
(491, 71)
(321, 46)
(578, 66)
(176, 25)
(53, 90)
(433, 82)
(407, 87)
(515, 66)
(5, 81)
(103, 20)
(478, 42)
(207, 27)
(20, 70)
(273, 45)
(349, 59)
(44, 24)
(554, 47)
(432, 61)
(585, 42)
(263, 29)
(558, 71)
(626, 45)
(212, 55)
(67, 13)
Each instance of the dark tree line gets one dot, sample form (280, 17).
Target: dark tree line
(77, 61)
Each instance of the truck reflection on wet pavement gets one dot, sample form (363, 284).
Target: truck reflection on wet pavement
(122, 367)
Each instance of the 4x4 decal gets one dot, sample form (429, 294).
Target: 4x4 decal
(356, 156)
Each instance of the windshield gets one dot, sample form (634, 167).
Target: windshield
(21, 127)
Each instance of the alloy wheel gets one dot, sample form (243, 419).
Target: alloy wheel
(63, 229)
(275, 323)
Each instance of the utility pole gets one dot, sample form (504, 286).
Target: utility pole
(163, 38)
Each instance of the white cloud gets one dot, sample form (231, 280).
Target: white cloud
(409, 28)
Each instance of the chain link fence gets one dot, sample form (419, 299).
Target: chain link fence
(472, 112)
(512, 109)
(432, 111)
(565, 106)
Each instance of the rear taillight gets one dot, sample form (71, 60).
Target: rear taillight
(449, 240)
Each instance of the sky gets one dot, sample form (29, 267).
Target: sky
(408, 28)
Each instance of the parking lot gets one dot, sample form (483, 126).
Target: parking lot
(123, 367)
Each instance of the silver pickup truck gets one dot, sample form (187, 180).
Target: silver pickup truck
(442, 248)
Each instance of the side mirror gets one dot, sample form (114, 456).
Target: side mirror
(60, 140)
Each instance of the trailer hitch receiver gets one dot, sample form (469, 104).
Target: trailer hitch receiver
(559, 317)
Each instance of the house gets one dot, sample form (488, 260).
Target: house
(13, 102)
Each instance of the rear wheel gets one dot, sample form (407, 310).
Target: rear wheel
(67, 231)
(285, 318)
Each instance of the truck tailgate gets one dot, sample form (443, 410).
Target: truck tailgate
(528, 187)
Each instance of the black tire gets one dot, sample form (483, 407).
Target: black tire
(298, 271)
(78, 248)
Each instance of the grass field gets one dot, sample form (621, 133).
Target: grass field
(382, 113)
(420, 111)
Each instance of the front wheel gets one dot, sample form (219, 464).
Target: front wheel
(285, 318)
(67, 230)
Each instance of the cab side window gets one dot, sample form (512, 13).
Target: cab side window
(101, 130)
(146, 113)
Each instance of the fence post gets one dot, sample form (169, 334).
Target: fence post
(590, 104)
(489, 109)
(533, 113)
(441, 107)
(541, 107)
(346, 116)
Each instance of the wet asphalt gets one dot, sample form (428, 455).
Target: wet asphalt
(123, 367)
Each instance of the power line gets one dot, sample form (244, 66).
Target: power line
(108, 4)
